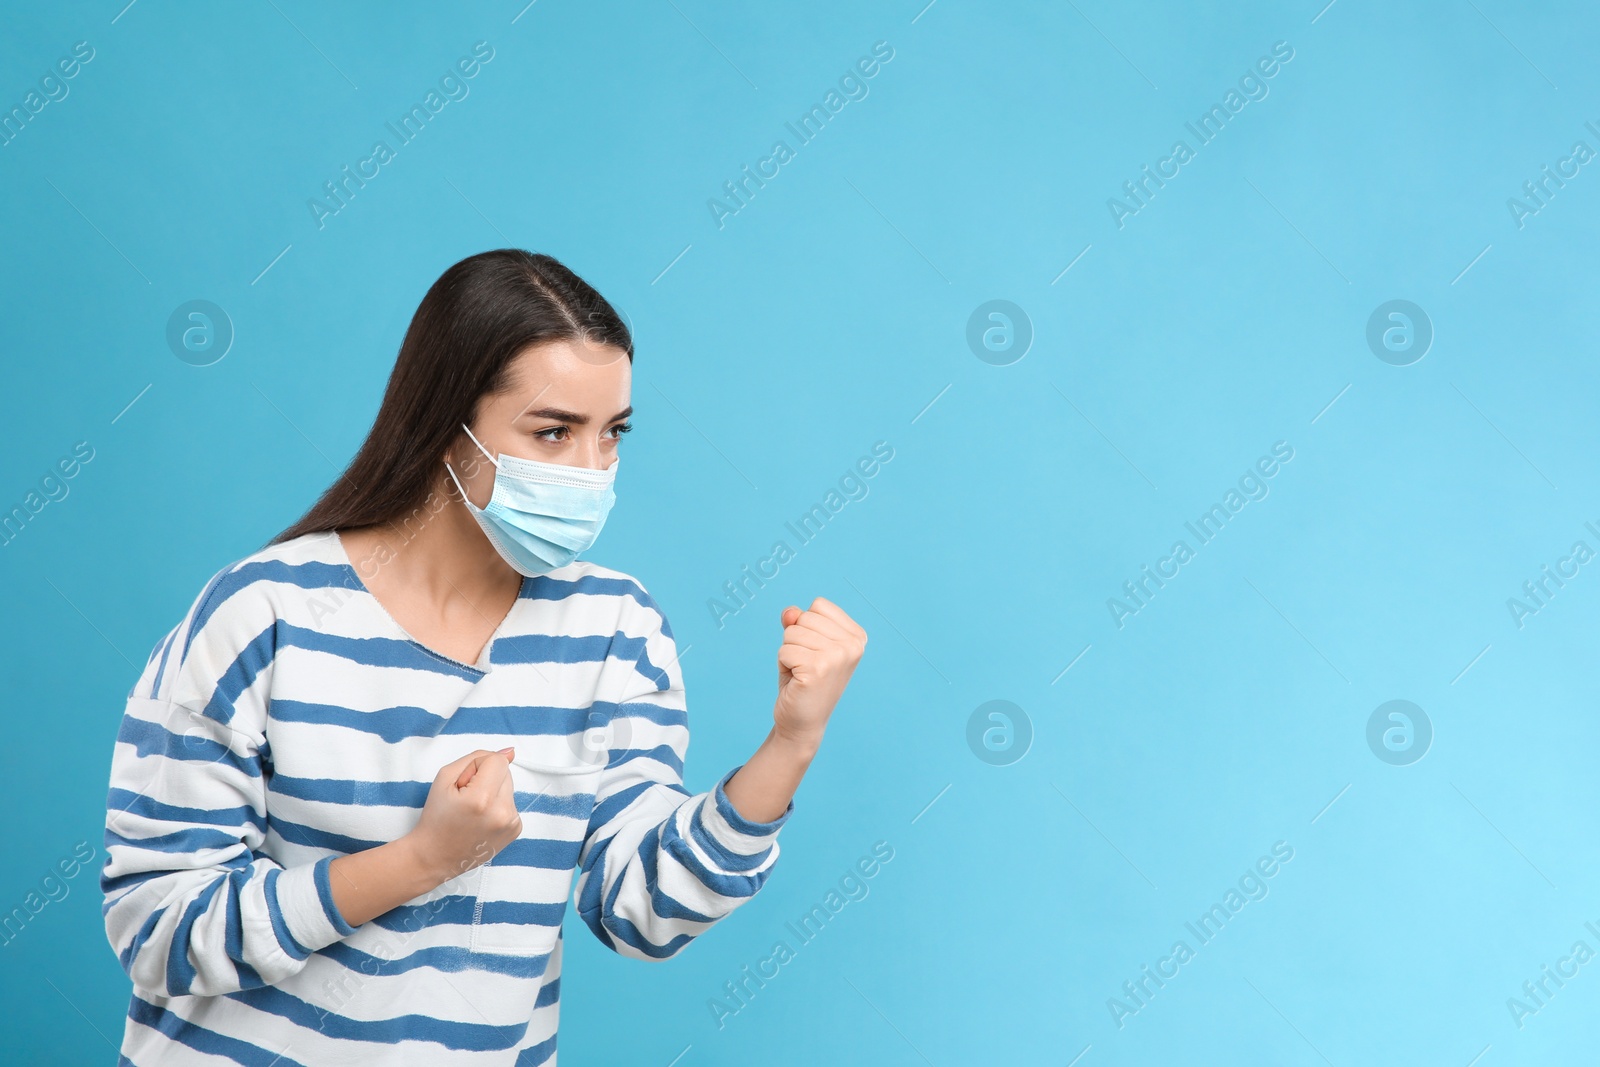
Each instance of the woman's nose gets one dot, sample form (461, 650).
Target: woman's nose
(589, 455)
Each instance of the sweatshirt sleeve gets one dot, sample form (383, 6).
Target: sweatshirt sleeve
(192, 905)
(659, 866)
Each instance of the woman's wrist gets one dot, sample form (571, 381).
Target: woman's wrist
(802, 749)
(416, 865)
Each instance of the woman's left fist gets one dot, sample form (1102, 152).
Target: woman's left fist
(820, 650)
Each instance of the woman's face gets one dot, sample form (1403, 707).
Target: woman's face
(567, 403)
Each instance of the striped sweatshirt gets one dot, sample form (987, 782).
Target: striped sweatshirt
(288, 720)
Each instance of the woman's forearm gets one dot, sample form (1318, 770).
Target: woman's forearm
(469, 815)
(369, 883)
(762, 788)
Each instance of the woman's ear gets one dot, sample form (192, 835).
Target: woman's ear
(463, 455)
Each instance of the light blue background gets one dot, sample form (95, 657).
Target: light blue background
(823, 317)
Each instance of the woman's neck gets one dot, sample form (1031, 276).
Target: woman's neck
(433, 557)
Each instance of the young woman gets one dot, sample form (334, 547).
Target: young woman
(352, 786)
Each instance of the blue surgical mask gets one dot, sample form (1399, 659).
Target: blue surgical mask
(541, 515)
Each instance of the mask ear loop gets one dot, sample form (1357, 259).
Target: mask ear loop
(451, 470)
(475, 441)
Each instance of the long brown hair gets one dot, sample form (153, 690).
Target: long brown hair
(480, 314)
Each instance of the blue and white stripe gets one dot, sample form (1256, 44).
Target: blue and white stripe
(288, 720)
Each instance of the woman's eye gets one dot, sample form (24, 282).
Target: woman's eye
(621, 428)
(552, 430)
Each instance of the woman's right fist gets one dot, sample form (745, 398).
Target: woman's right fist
(470, 814)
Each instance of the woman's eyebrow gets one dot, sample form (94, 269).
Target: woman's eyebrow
(573, 417)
